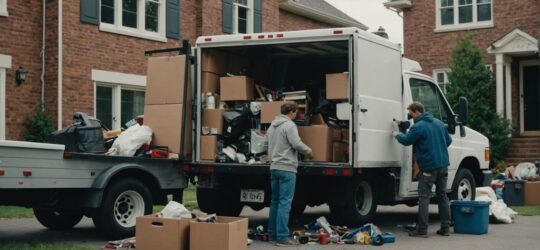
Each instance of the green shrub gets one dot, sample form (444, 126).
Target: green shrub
(38, 125)
(470, 78)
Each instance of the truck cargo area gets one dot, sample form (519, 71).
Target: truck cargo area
(314, 75)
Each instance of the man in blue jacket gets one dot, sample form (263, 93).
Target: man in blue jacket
(430, 140)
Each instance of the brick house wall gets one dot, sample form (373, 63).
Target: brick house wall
(18, 34)
(433, 50)
(86, 48)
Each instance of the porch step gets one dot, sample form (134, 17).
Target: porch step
(523, 149)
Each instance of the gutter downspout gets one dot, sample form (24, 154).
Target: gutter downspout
(60, 46)
(43, 59)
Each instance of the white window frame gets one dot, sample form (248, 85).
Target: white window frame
(118, 82)
(461, 26)
(445, 81)
(5, 63)
(250, 16)
(3, 8)
(140, 31)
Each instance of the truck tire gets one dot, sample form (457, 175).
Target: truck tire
(464, 186)
(122, 203)
(224, 202)
(358, 203)
(57, 219)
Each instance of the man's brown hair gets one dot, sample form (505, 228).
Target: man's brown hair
(416, 106)
(288, 107)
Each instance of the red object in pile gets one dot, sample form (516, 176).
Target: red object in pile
(158, 153)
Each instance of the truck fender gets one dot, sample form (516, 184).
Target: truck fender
(103, 179)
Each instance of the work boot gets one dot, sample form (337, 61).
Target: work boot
(287, 243)
(417, 233)
(443, 232)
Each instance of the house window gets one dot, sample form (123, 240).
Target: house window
(3, 8)
(243, 16)
(139, 18)
(463, 14)
(116, 104)
(441, 78)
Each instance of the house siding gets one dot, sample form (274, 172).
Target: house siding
(86, 48)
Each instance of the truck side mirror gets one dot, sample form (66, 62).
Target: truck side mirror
(463, 110)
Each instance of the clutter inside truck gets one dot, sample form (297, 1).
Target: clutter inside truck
(243, 88)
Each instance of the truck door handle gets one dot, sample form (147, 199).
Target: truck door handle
(363, 110)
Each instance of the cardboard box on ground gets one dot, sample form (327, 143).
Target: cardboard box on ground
(163, 107)
(229, 233)
(532, 193)
(153, 232)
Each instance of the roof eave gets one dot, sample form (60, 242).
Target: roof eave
(398, 5)
(302, 10)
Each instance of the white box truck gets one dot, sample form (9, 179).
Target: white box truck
(378, 170)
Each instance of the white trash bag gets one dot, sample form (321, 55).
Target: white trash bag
(525, 170)
(130, 140)
(175, 210)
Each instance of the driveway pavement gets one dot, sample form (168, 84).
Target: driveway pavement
(523, 234)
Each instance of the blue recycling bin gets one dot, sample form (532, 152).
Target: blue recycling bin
(470, 217)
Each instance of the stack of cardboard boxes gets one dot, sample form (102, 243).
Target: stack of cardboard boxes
(153, 232)
(164, 103)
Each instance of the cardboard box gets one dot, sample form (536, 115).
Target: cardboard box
(532, 193)
(319, 139)
(209, 148)
(238, 65)
(166, 123)
(340, 151)
(165, 80)
(214, 61)
(236, 88)
(269, 110)
(337, 86)
(230, 233)
(213, 118)
(209, 82)
(162, 233)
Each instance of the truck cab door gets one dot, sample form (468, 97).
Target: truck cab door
(425, 91)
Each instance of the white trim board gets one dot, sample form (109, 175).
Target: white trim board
(118, 78)
(2, 103)
(5, 61)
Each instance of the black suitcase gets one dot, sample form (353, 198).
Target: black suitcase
(84, 135)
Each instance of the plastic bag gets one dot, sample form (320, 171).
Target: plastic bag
(130, 140)
(525, 170)
(175, 210)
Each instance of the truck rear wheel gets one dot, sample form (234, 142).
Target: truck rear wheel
(57, 219)
(122, 203)
(358, 203)
(464, 187)
(224, 202)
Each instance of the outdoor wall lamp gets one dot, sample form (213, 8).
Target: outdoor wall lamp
(20, 75)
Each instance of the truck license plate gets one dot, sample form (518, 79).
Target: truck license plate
(252, 195)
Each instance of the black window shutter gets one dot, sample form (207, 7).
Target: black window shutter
(227, 16)
(257, 16)
(173, 19)
(90, 11)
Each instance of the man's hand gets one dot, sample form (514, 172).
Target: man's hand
(394, 133)
(397, 122)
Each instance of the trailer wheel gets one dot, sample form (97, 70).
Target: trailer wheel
(57, 219)
(123, 202)
(464, 186)
(359, 203)
(224, 202)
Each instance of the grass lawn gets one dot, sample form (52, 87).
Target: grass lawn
(10, 212)
(531, 210)
(39, 246)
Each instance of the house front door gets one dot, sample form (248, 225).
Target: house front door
(530, 97)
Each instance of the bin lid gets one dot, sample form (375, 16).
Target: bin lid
(470, 203)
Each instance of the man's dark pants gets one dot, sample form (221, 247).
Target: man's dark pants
(426, 179)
